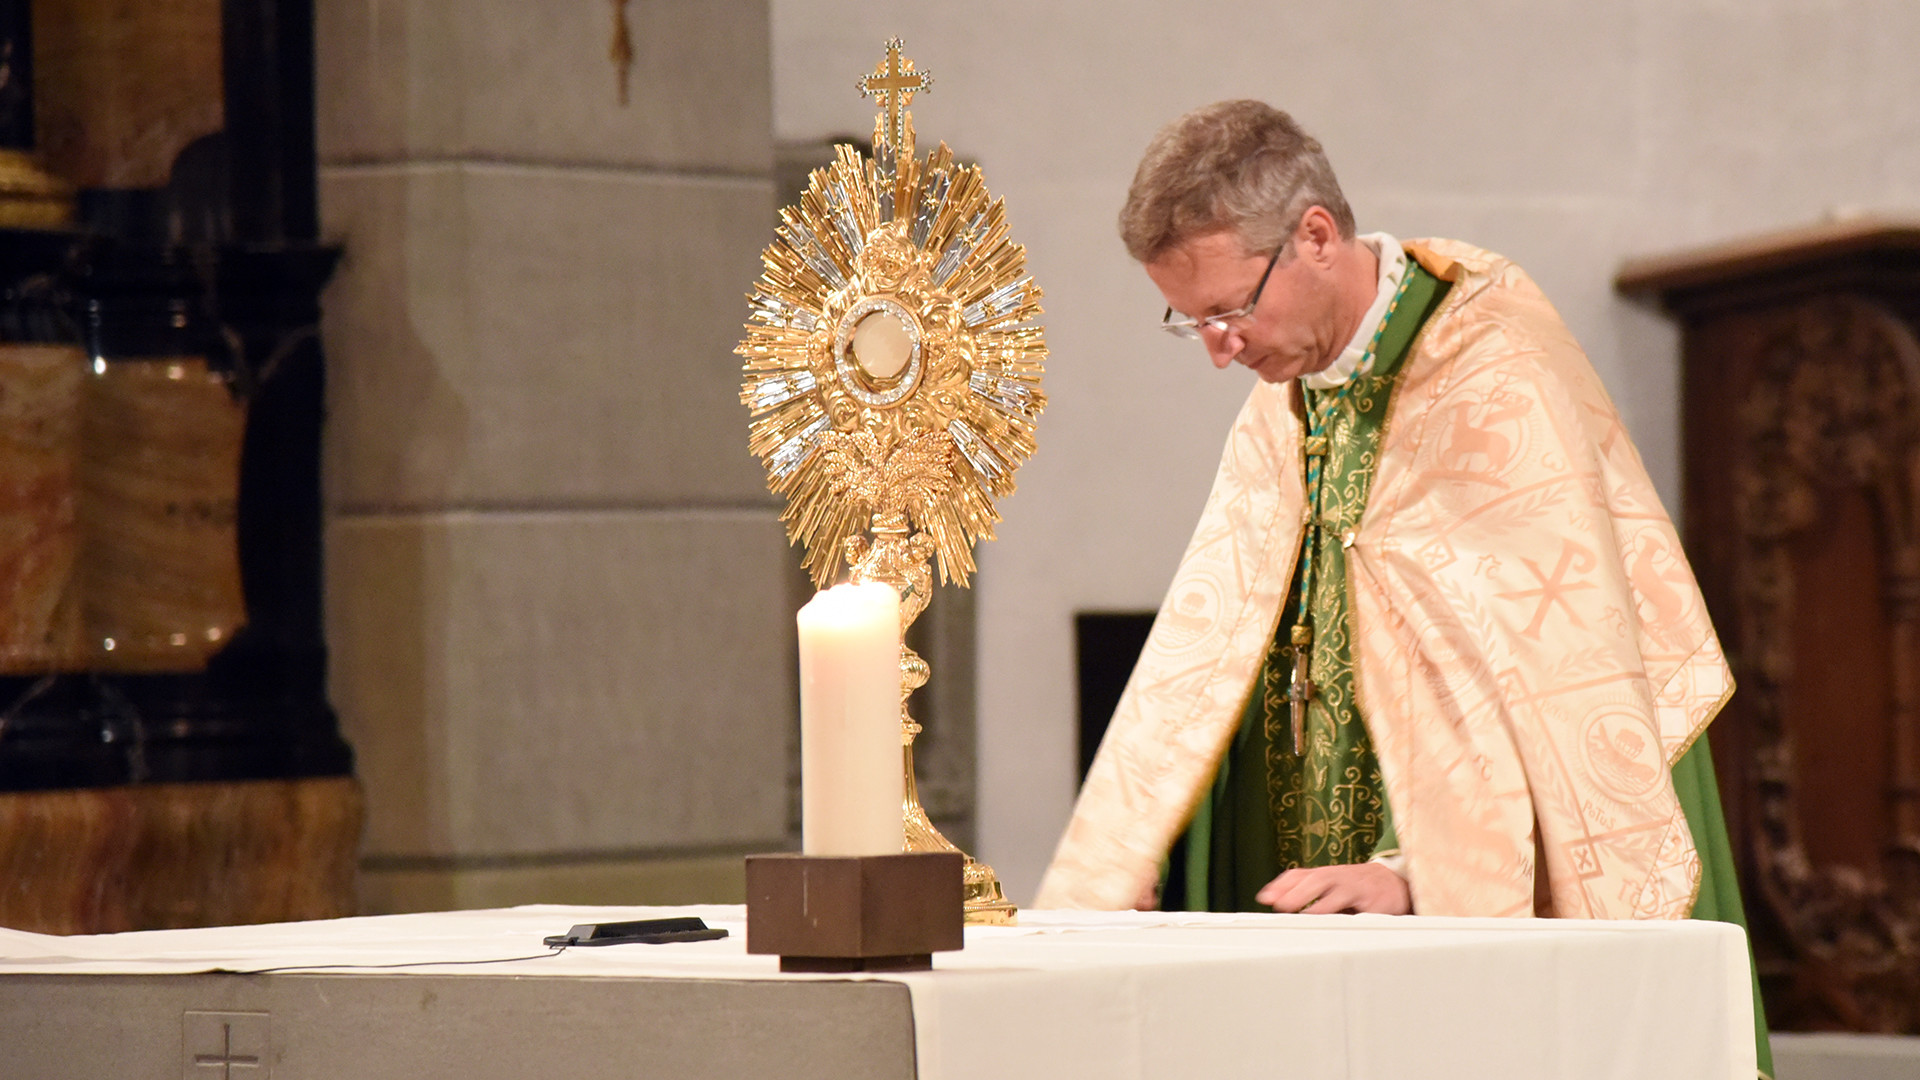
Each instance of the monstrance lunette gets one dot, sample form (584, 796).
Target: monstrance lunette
(893, 372)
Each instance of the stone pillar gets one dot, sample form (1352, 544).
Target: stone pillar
(560, 604)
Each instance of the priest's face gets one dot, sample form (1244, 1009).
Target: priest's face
(1294, 327)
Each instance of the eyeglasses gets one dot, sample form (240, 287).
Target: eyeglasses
(1188, 327)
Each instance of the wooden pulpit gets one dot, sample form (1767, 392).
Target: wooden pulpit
(1801, 514)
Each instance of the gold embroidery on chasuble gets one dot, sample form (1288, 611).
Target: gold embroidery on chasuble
(1327, 803)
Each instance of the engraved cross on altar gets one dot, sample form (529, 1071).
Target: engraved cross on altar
(226, 1059)
(893, 83)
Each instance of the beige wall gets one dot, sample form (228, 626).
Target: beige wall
(559, 600)
(1567, 134)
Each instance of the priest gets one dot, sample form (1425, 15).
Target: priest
(1434, 646)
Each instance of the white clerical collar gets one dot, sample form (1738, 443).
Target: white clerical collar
(1393, 267)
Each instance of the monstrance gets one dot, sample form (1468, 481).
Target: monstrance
(893, 370)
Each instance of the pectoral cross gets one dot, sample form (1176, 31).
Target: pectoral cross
(894, 82)
(1301, 690)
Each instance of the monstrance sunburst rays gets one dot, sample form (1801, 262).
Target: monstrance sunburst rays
(930, 417)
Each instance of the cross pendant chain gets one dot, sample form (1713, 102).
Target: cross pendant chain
(1302, 688)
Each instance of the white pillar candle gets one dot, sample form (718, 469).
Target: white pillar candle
(851, 779)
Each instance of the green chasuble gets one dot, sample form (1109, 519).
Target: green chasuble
(1719, 897)
(1268, 809)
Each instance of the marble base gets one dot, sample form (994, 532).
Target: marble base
(40, 393)
(163, 856)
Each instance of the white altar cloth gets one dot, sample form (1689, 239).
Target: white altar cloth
(1126, 995)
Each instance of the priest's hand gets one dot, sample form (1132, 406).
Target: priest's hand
(1327, 890)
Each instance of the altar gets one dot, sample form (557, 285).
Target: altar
(475, 994)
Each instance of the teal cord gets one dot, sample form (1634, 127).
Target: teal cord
(1319, 416)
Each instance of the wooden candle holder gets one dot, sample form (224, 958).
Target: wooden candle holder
(855, 912)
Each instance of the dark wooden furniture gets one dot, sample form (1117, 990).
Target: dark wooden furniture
(210, 784)
(1801, 514)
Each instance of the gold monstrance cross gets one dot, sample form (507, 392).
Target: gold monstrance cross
(893, 370)
(894, 82)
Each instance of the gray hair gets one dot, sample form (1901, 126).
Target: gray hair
(1242, 166)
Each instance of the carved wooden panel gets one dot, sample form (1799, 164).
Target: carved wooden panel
(1802, 518)
(1826, 577)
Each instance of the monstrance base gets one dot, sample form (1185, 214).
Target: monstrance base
(985, 904)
